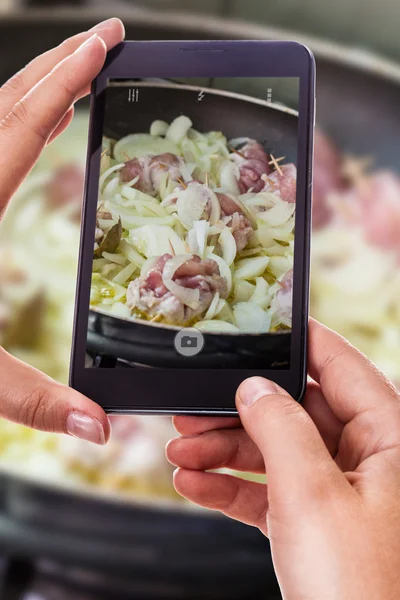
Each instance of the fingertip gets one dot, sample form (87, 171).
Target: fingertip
(112, 32)
(254, 389)
(186, 482)
(179, 423)
(170, 451)
(83, 418)
(107, 428)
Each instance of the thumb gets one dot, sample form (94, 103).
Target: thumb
(297, 462)
(29, 397)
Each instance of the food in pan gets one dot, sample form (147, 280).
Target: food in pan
(355, 272)
(193, 229)
(355, 286)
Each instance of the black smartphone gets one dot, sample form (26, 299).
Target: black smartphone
(194, 259)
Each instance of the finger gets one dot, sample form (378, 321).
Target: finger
(297, 462)
(329, 426)
(197, 425)
(29, 397)
(27, 128)
(62, 126)
(232, 449)
(350, 382)
(242, 500)
(112, 33)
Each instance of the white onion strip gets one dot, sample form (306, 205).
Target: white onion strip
(107, 173)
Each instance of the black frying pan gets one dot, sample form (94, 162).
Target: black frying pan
(236, 116)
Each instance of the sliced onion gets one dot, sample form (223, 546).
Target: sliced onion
(120, 310)
(137, 145)
(131, 222)
(147, 265)
(215, 213)
(261, 295)
(223, 269)
(279, 265)
(228, 246)
(178, 129)
(229, 176)
(212, 309)
(158, 127)
(239, 141)
(201, 228)
(242, 208)
(130, 253)
(125, 274)
(156, 240)
(216, 326)
(191, 203)
(186, 171)
(197, 238)
(189, 297)
(107, 173)
(279, 214)
(224, 312)
(249, 268)
(243, 290)
(119, 259)
(267, 234)
(251, 318)
(111, 188)
(134, 194)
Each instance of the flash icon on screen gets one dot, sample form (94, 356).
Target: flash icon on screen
(200, 96)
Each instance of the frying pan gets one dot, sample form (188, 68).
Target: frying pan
(357, 106)
(235, 115)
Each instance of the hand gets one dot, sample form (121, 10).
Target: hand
(36, 105)
(331, 506)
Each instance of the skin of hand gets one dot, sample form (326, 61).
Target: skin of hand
(36, 105)
(331, 505)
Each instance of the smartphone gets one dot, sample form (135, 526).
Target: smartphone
(194, 258)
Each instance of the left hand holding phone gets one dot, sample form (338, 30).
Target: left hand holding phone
(36, 105)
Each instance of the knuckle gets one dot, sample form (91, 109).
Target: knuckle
(71, 43)
(19, 117)
(279, 404)
(33, 409)
(67, 83)
(17, 83)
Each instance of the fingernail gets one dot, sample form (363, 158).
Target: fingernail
(255, 388)
(88, 43)
(106, 24)
(85, 428)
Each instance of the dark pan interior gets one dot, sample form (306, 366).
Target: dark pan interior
(235, 117)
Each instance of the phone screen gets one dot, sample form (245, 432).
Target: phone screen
(194, 240)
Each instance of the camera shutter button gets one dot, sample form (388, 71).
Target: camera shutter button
(189, 342)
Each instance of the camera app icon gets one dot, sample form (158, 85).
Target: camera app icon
(189, 342)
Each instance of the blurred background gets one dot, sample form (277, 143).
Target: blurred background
(91, 523)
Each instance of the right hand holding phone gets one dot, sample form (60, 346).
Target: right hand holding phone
(331, 504)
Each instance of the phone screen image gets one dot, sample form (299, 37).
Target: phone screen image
(195, 225)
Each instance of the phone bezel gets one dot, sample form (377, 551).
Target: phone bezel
(140, 391)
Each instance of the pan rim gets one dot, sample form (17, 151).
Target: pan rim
(372, 62)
